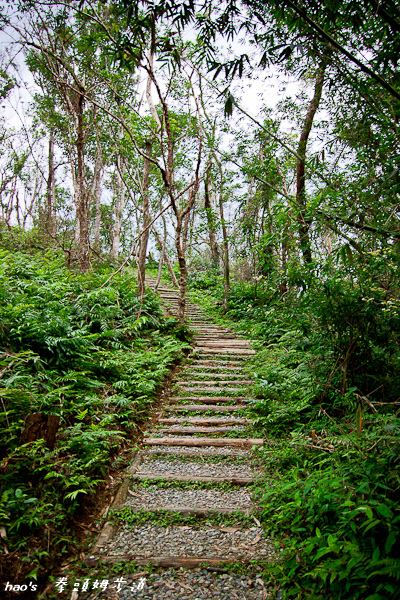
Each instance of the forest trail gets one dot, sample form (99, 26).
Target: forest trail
(196, 461)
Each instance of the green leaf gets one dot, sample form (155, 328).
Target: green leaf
(390, 541)
(384, 510)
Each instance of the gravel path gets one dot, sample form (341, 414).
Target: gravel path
(151, 466)
(152, 497)
(198, 584)
(218, 376)
(185, 541)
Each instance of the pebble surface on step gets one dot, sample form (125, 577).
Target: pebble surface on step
(151, 497)
(151, 466)
(185, 541)
(197, 584)
(183, 420)
(200, 429)
(213, 450)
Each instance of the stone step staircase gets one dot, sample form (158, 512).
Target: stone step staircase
(196, 460)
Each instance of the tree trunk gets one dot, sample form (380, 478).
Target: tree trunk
(181, 231)
(225, 244)
(119, 209)
(160, 265)
(180, 248)
(227, 285)
(50, 189)
(211, 225)
(81, 204)
(96, 194)
(35, 194)
(304, 224)
(165, 255)
(146, 220)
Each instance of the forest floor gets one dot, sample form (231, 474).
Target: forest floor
(182, 523)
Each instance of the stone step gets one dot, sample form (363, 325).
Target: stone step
(226, 343)
(190, 511)
(203, 408)
(211, 329)
(204, 421)
(195, 478)
(174, 562)
(160, 466)
(215, 383)
(193, 373)
(213, 389)
(232, 361)
(214, 367)
(190, 543)
(209, 399)
(224, 350)
(198, 441)
(189, 430)
(221, 451)
(215, 336)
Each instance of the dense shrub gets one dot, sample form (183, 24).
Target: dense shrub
(71, 348)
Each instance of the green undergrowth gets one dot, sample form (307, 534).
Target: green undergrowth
(164, 518)
(190, 485)
(326, 394)
(76, 347)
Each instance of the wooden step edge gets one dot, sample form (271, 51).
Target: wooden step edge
(198, 441)
(215, 390)
(231, 359)
(223, 343)
(195, 478)
(214, 383)
(195, 366)
(208, 400)
(190, 430)
(199, 420)
(193, 511)
(191, 373)
(234, 361)
(203, 350)
(203, 408)
(164, 561)
(180, 451)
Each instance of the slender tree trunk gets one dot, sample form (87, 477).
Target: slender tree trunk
(225, 243)
(227, 285)
(35, 193)
(211, 225)
(180, 248)
(50, 188)
(96, 194)
(119, 209)
(160, 266)
(146, 220)
(17, 209)
(165, 255)
(181, 231)
(304, 224)
(285, 238)
(10, 204)
(82, 208)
